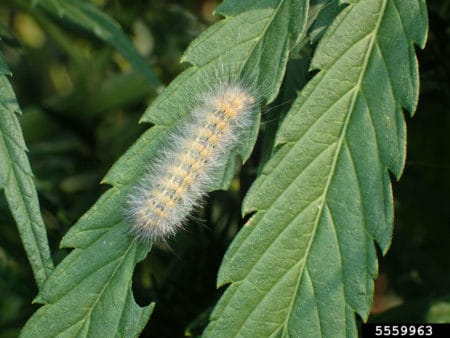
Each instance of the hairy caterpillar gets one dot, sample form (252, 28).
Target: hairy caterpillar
(175, 183)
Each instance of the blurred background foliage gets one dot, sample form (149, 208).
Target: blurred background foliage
(81, 103)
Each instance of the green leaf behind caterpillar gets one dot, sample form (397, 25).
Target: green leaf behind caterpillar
(100, 230)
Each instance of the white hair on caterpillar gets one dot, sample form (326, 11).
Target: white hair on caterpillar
(174, 183)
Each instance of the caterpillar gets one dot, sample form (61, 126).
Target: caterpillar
(174, 184)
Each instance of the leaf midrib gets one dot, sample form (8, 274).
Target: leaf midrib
(100, 294)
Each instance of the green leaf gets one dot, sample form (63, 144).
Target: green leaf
(93, 299)
(325, 12)
(4, 70)
(16, 179)
(87, 17)
(305, 262)
(251, 44)
(89, 294)
(105, 255)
